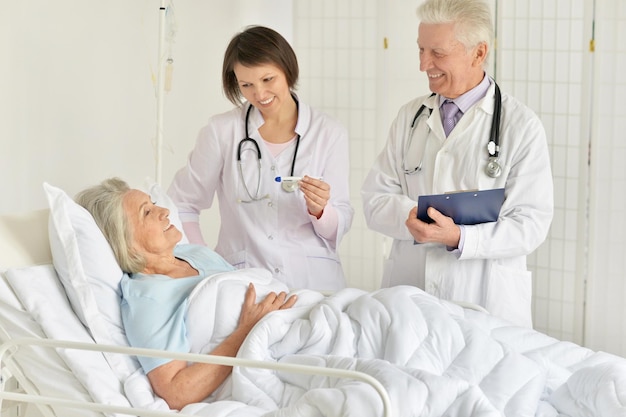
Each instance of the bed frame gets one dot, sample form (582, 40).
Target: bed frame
(23, 243)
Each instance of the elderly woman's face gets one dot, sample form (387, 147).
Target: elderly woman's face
(150, 224)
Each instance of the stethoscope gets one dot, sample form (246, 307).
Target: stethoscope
(493, 168)
(289, 186)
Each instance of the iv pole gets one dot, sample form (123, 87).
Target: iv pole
(160, 93)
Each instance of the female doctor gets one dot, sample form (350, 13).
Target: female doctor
(279, 169)
(497, 142)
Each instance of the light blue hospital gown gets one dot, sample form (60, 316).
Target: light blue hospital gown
(153, 306)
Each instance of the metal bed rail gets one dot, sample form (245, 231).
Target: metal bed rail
(10, 346)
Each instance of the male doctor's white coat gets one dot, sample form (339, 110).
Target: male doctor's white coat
(491, 269)
(276, 233)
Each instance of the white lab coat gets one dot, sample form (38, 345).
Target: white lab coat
(491, 270)
(276, 233)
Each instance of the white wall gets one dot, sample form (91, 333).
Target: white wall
(605, 327)
(76, 99)
(78, 85)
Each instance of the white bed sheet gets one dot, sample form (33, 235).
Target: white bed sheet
(44, 367)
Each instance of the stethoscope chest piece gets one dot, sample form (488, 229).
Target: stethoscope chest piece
(493, 168)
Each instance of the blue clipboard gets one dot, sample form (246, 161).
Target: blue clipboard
(466, 207)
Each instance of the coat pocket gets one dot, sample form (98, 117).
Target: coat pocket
(509, 294)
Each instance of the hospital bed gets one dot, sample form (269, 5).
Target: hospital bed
(41, 375)
(467, 363)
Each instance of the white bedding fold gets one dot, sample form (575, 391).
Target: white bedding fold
(434, 357)
(428, 357)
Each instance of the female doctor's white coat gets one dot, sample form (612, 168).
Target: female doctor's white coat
(276, 233)
(491, 270)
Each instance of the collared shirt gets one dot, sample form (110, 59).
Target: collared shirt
(471, 97)
(464, 102)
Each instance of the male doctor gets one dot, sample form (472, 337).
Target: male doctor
(484, 263)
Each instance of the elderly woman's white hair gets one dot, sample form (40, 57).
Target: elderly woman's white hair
(105, 202)
(472, 20)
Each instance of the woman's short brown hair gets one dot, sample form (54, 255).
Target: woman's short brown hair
(255, 46)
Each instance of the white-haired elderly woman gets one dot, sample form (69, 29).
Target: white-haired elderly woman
(161, 274)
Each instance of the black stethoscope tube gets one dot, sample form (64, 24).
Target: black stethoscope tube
(256, 145)
(289, 188)
(493, 168)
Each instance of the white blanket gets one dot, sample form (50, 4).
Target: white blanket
(434, 357)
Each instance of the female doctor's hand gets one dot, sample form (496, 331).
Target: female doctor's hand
(316, 195)
(442, 230)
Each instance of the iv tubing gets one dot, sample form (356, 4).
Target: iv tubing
(160, 93)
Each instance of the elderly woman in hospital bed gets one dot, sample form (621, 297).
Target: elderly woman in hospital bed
(432, 356)
(161, 274)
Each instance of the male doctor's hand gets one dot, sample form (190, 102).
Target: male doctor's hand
(442, 230)
(316, 195)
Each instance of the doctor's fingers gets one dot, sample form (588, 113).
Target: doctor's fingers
(318, 195)
(318, 182)
(433, 213)
(315, 207)
(315, 186)
(416, 227)
(421, 231)
(442, 230)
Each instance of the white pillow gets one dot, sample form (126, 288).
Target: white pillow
(89, 273)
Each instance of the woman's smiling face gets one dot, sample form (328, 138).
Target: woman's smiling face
(264, 86)
(150, 224)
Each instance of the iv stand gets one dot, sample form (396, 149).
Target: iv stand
(160, 93)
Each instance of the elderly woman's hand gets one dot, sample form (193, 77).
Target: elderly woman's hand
(252, 312)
